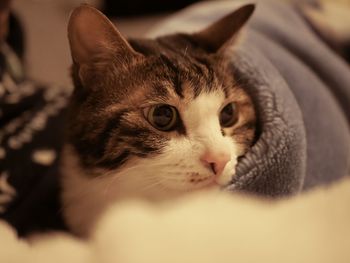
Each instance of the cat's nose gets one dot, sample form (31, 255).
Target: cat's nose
(216, 161)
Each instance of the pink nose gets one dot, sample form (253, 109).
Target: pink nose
(216, 161)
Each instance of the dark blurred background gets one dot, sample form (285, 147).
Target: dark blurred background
(139, 7)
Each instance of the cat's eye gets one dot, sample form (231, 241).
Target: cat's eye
(162, 117)
(228, 115)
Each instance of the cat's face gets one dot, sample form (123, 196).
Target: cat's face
(163, 115)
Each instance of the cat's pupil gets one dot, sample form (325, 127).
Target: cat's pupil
(228, 115)
(163, 117)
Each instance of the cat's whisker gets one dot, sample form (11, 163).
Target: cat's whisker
(150, 186)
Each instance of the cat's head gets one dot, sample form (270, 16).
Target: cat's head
(163, 114)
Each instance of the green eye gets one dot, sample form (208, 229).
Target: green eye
(162, 117)
(228, 115)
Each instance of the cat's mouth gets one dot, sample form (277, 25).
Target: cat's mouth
(204, 182)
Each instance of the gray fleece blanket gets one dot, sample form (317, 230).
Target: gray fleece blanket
(301, 90)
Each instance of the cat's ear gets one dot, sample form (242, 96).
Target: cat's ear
(224, 32)
(92, 35)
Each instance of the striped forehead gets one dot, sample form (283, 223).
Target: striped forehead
(190, 76)
(181, 83)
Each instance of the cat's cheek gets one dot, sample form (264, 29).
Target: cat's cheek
(229, 172)
(224, 180)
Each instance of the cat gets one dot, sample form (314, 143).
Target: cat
(151, 118)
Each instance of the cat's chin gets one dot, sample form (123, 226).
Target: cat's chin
(210, 184)
(172, 194)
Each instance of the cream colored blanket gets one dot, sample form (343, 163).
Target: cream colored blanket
(313, 227)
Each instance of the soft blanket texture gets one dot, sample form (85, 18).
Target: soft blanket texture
(302, 92)
(204, 228)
